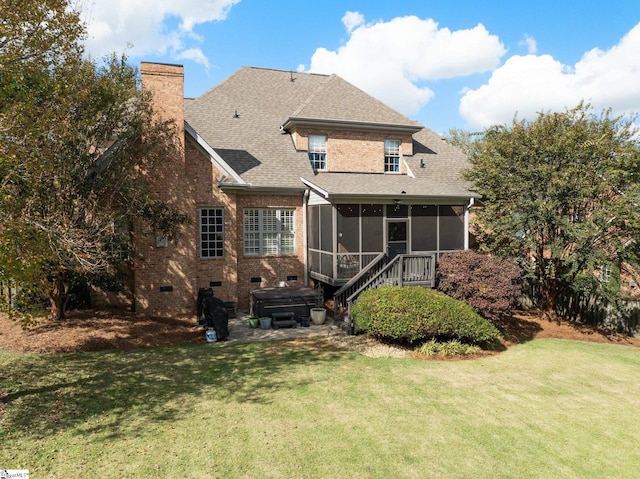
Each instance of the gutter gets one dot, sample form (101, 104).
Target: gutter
(302, 122)
(305, 253)
(255, 189)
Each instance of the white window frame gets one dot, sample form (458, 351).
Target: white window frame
(211, 237)
(392, 156)
(269, 231)
(318, 151)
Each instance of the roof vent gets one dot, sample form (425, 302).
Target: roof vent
(292, 78)
(235, 114)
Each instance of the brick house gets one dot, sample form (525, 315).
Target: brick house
(293, 178)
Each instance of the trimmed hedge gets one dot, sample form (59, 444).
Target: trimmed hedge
(415, 313)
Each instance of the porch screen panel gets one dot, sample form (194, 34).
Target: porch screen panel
(314, 261)
(326, 264)
(326, 228)
(348, 228)
(424, 228)
(451, 227)
(372, 228)
(314, 227)
(397, 211)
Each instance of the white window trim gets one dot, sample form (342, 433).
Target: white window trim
(201, 233)
(390, 153)
(261, 232)
(318, 150)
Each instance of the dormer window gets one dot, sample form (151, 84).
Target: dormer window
(318, 152)
(391, 156)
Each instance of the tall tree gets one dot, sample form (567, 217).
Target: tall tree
(561, 192)
(79, 144)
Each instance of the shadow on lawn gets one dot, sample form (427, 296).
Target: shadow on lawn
(518, 330)
(101, 392)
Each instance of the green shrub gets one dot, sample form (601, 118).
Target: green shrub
(449, 348)
(414, 313)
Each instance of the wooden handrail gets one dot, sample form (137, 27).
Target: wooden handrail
(354, 283)
(403, 270)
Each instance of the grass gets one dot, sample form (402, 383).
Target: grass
(547, 408)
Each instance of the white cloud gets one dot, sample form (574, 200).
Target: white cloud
(352, 20)
(195, 55)
(531, 84)
(530, 44)
(390, 60)
(142, 27)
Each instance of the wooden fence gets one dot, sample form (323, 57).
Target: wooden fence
(592, 309)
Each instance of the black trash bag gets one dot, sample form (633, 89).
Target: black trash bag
(216, 315)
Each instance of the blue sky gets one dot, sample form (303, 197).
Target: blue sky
(447, 64)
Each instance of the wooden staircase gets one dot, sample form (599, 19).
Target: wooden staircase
(402, 270)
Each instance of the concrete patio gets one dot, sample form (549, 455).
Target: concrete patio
(240, 331)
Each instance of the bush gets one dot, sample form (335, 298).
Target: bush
(489, 284)
(414, 313)
(449, 348)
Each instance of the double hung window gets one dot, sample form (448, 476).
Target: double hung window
(269, 231)
(318, 152)
(391, 156)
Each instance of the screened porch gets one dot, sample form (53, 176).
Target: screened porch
(344, 238)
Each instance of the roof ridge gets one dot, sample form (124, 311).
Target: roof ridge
(285, 71)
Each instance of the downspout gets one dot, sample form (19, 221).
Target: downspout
(466, 223)
(305, 253)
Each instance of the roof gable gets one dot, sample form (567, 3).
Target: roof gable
(342, 103)
(241, 118)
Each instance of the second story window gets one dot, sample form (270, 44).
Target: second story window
(318, 152)
(391, 155)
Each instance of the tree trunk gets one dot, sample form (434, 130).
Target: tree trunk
(549, 295)
(58, 298)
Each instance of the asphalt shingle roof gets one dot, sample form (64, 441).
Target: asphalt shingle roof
(241, 117)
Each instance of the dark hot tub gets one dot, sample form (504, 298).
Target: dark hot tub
(289, 299)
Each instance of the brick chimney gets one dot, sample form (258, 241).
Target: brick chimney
(166, 82)
(164, 273)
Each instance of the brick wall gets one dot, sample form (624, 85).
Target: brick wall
(207, 195)
(355, 151)
(167, 279)
(271, 269)
(234, 270)
(164, 276)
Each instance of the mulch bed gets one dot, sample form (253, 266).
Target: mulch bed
(95, 330)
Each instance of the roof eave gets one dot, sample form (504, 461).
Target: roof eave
(256, 189)
(292, 123)
(214, 157)
(402, 198)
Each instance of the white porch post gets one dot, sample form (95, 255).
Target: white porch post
(466, 223)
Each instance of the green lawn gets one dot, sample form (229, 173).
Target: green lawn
(547, 408)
